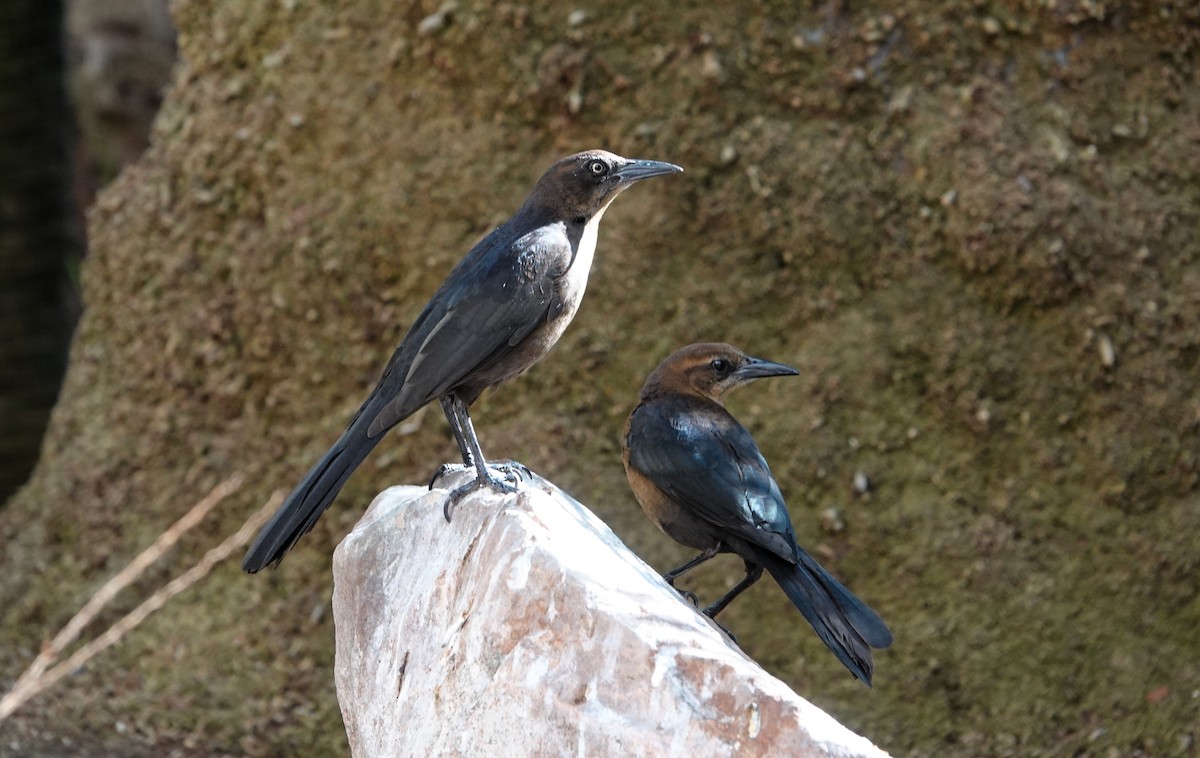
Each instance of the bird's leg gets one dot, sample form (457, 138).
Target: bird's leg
(448, 403)
(472, 455)
(675, 573)
(512, 469)
(448, 409)
(753, 574)
(474, 451)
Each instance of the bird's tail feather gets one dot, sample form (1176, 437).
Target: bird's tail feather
(843, 622)
(864, 620)
(309, 499)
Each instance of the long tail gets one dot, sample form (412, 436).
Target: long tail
(843, 622)
(310, 498)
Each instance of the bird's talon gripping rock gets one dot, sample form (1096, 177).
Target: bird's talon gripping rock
(442, 470)
(515, 472)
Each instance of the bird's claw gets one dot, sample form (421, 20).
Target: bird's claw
(712, 616)
(687, 595)
(515, 471)
(509, 469)
(728, 633)
(442, 470)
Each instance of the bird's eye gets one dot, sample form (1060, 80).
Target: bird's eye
(598, 168)
(721, 366)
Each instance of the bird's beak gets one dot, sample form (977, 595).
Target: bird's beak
(634, 171)
(757, 368)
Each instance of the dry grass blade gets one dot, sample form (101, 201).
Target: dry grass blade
(39, 676)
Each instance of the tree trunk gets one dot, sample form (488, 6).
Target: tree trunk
(38, 223)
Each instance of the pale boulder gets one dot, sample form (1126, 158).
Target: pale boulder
(526, 628)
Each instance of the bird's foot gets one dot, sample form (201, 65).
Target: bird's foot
(517, 472)
(712, 617)
(687, 595)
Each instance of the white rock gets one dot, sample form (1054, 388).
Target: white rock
(525, 627)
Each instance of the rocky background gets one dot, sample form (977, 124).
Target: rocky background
(972, 226)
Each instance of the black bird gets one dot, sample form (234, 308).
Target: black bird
(700, 477)
(501, 309)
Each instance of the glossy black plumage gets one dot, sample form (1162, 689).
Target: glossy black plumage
(501, 309)
(700, 476)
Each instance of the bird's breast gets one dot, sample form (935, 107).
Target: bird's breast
(572, 284)
(575, 263)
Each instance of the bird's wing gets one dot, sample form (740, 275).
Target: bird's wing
(708, 463)
(491, 301)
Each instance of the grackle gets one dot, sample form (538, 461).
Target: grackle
(701, 478)
(501, 309)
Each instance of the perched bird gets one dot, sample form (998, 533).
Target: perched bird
(501, 309)
(700, 477)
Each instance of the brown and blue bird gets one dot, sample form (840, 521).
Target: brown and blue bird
(699, 475)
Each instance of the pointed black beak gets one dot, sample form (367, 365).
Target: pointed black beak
(637, 170)
(757, 368)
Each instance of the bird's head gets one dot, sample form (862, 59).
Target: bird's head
(710, 369)
(581, 186)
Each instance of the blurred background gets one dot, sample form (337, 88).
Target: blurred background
(80, 84)
(972, 226)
